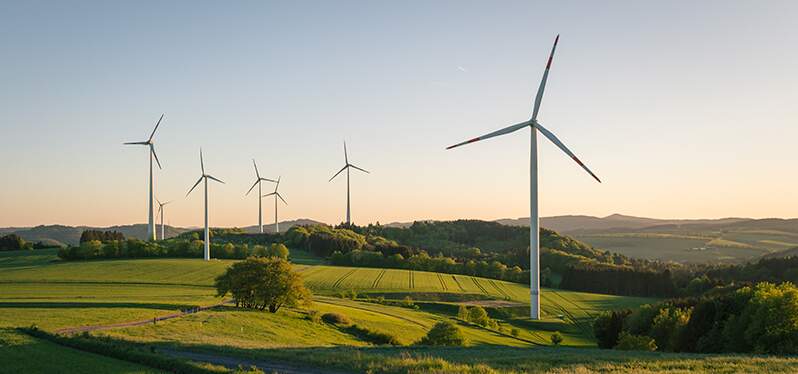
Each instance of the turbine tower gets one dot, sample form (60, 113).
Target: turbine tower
(534, 219)
(258, 179)
(276, 196)
(151, 213)
(160, 212)
(205, 178)
(346, 167)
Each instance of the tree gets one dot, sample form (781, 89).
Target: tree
(608, 326)
(260, 283)
(444, 333)
(629, 342)
(13, 242)
(556, 338)
(279, 250)
(478, 315)
(668, 326)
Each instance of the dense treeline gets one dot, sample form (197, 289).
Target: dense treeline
(12, 242)
(186, 248)
(761, 319)
(618, 280)
(102, 236)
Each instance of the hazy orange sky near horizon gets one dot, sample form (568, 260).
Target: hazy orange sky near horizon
(684, 109)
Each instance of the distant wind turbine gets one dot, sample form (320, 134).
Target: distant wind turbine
(534, 218)
(258, 181)
(160, 212)
(151, 214)
(346, 167)
(205, 178)
(276, 196)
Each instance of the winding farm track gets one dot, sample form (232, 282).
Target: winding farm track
(75, 330)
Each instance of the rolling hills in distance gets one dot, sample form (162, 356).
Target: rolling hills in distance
(724, 240)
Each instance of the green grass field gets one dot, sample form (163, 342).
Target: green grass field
(39, 289)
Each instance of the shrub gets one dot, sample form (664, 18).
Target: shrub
(629, 342)
(515, 332)
(462, 312)
(444, 333)
(478, 315)
(556, 338)
(608, 326)
(336, 319)
(314, 316)
(371, 336)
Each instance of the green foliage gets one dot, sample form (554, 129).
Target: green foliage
(556, 338)
(515, 332)
(279, 250)
(629, 342)
(12, 242)
(261, 283)
(102, 236)
(478, 315)
(608, 326)
(462, 312)
(668, 326)
(444, 333)
(314, 316)
(371, 336)
(336, 319)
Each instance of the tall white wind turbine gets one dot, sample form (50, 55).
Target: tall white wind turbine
(160, 212)
(534, 219)
(276, 196)
(205, 178)
(258, 181)
(346, 167)
(151, 214)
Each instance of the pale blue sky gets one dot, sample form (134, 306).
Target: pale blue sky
(684, 109)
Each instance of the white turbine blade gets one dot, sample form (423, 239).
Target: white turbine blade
(268, 180)
(278, 183)
(158, 201)
(269, 194)
(339, 172)
(565, 149)
(202, 163)
(212, 177)
(195, 185)
(152, 149)
(281, 198)
(539, 96)
(257, 174)
(253, 186)
(346, 157)
(156, 128)
(503, 131)
(363, 170)
(136, 143)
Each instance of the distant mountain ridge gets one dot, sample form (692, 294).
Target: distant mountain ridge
(70, 235)
(581, 224)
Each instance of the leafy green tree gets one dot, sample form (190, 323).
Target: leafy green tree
(279, 250)
(668, 325)
(260, 283)
(556, 338)
(608, 326)
(478, 315)
(444, 333)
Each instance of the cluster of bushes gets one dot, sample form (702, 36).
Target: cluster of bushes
(187, 248)
(444, 333)
(102, 236)
(12, 242)
(759, 319)
(617, 280)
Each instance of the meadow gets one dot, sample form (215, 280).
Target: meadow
(38, 289)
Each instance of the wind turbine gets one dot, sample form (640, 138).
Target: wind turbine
(258, 179)
(205, 178)
(160, 212)
(151, 144)
(346, 167)
(276, 195)
(534, 219)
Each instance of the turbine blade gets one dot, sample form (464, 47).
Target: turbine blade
(253, 186)
(257, 174)
(565, 149)
(539, 96)
(503, 131)
(158, 201)
(218, 180)
(346, 157)
(202, 163)
(268, 180)
(156, 128)
(281, 198)
(195, 185)
(268, 194)
(363, 170)
(136, 143)
(152, 149)
(339, 172)
(278, 183)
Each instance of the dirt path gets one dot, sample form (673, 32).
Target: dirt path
(235, 362)
(75, 330)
